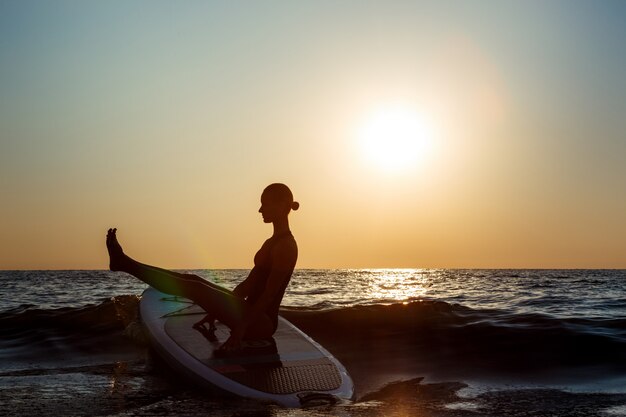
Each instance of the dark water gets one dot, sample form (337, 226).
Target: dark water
(416, 342)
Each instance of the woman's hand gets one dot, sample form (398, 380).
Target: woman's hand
(207, 319)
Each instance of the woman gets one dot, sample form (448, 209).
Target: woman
(251, 309)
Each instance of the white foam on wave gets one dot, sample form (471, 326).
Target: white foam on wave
(618, 410)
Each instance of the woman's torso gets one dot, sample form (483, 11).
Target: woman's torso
(263, 266)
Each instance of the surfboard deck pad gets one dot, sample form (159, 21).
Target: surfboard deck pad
(286, 363)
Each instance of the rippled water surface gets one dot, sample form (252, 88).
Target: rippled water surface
(560, 293)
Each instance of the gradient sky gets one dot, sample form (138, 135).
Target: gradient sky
(167, 119)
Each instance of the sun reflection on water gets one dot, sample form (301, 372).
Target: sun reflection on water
(390, 285)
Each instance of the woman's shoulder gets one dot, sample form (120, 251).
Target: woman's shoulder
(285, 248)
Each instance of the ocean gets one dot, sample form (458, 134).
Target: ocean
(416, 342)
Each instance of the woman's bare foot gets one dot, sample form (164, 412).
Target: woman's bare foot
(117, 257)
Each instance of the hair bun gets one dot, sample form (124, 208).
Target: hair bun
(295, 205)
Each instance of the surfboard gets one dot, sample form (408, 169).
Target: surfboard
(290, 369)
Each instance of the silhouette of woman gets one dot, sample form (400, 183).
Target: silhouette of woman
(251, 309)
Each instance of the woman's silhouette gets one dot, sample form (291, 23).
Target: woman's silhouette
(251, 309)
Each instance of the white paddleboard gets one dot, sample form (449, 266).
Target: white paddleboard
(289, 369)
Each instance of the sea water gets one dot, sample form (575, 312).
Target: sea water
(416, 342)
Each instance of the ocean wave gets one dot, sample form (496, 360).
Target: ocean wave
(458, 338)
(419, 336)
(37, 335)
(113, 313)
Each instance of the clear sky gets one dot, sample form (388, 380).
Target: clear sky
(413, 134)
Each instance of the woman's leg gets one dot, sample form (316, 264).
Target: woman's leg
(189, 277)
(217, 301)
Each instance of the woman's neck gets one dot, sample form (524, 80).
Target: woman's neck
(281, 226)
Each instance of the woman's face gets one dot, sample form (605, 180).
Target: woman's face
(272, 209)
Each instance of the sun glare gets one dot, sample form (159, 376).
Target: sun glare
(395, 138)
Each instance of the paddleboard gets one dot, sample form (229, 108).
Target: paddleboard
(289, 369)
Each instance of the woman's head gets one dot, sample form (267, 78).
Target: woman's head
(277, 201)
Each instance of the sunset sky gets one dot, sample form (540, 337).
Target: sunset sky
(414, 134)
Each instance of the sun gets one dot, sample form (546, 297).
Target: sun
(395, 138)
